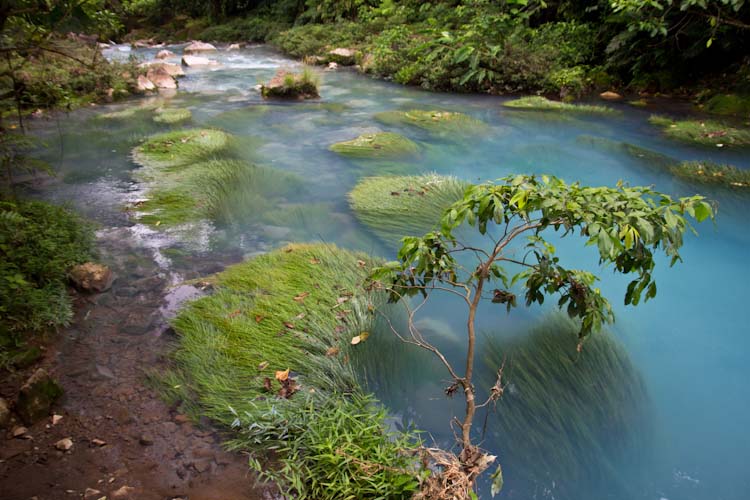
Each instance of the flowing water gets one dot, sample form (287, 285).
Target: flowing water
(689, 345)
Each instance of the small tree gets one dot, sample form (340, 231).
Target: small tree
(626, 224)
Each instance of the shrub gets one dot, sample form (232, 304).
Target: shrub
(39, 242)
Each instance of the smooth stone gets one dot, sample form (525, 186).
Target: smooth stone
(64, 444)
(165, 54)
(161, 78)
(610, 96)
(234, 46)
(196, 47)
(193, 61)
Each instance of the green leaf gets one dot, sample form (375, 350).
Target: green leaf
(497, 481)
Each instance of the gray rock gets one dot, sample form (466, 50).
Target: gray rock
(37, 396)
(345, 57)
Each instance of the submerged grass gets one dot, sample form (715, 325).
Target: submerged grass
(171, 116)
(298, 309)
(538, 103)
(398, 206)
(444, 123)
(703, 132)
(181, 147)
(569, 412)
(378, 145)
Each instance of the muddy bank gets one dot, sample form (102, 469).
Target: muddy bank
(126, 442)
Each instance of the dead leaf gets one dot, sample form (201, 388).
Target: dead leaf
(234, 314)
(282, 375)
(289, 325)
(259, 318)
(263, 365)
(339, 328)
(300, 316)
(341, 300)
(288, 250)
(301, 297)
(314, 261)
(395, 193)
(332, 351)
(361, 263)
(363, 336)
(356, 340)
(267, 384)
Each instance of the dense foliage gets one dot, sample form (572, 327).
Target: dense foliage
(566, 47)
(39, 243)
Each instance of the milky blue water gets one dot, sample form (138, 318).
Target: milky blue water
(690, 344)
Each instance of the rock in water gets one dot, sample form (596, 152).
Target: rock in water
(610, 96)
(197, 47)
(4, 413)
(144, 84)
(161, 78)
(342, 56)
(165, 54)
(234, 46)
(91, 277)
(37, 396)
(192, 61)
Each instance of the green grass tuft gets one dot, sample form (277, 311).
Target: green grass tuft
(702, 132)
(538, 103)
(287, 85)
(181, 147)
(394, 207)
(171, 116)
(710, 173)
(436, 122)
(564, 414)
(378, 145)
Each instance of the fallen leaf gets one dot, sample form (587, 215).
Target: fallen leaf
(267, 384)
(341, 300)
(356, 340)
(289, 325)
(395, 193)
(288, 250)
(259, 318)
(339, 328)
(361, 263)
(314, 261)
(363, 336)
(301, 297)
(300, 316)
(234, 314)
(282, 375)
(332, 351)
(263, 365)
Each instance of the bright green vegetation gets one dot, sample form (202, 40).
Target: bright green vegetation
(172, 116)
(710, 173)
(538, 103)
(287, 85)
(394, 207)
(39, 243)
(563, 402)
(378, 145)
(297, 308)
(443, 123)
(703, 132)
(729, 104)
(180, 147)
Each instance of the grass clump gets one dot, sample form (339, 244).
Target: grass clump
(378, 145)
(288, 85)
(562, 408)
(539, 103)
(171, 116)
(710, 173)
(702, 132)
(297, 309)
(39, 243)
(728, 104)
(181, 147)
(394, 207)
(436, 122)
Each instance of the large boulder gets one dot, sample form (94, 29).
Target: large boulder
(165, 54)
(37, 396)
(193, 61)
(160, 77)
(345, 57)
(198, 47)
(91, 277)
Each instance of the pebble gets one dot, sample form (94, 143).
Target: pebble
(64, 444)
(56, 419)
(146, 440)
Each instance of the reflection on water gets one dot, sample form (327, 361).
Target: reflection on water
(688, 345)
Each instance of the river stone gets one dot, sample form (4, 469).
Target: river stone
(144, 84)
(610, 96)
(4, 413)
(342, 56)
(198, 47)
(192, 61)
(165, 54)
(91, 277)
(37, 396)
(174, 70)
(161, 78)
(234, 46)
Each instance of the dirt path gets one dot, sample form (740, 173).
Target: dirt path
(149, 450)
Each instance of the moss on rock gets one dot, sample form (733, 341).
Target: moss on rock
(181, 147)
(172, 116)
(394, 207)
(377, 145)
(538, 103)
(703, 132)
(445, 123)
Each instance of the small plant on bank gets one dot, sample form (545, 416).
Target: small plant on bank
(288, 85)
(627, 225)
